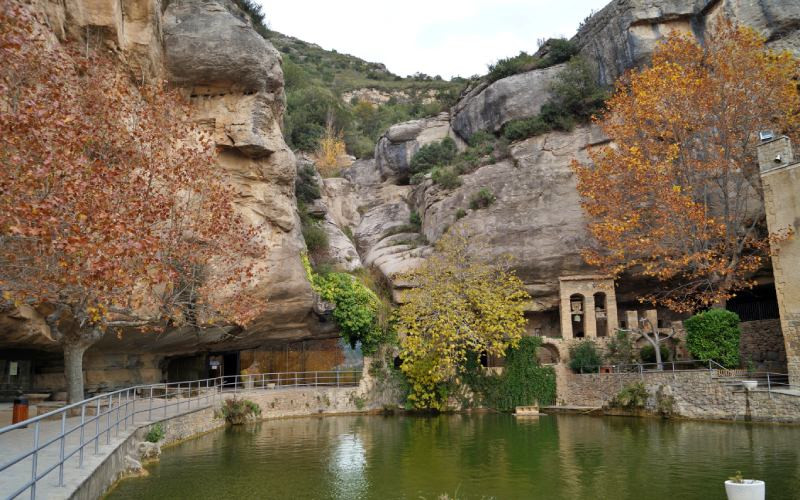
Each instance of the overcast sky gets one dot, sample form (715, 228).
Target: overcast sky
(432, 36)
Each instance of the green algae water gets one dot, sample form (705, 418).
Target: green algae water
(473, 456)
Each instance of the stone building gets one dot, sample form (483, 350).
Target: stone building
(780, 177)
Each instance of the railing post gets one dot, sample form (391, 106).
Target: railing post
(166, 389)
(316, 379)
(83, 422)
(150, 410)
(61, 448)
(127, 399)
(769, 386)
(35, 459)
(119, 409)
(108, 418)
(97, 428)
(133, 413)
(337, 378)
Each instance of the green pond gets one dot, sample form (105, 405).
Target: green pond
(473, 456)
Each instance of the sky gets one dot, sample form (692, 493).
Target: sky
(447, 38)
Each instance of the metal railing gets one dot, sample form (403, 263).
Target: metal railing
(94, 420)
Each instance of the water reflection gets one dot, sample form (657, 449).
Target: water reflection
(474, 456)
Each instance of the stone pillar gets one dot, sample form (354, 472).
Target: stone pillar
(589, 318)
(632, 319)
(780, 177)
(566, 317)
(611, 313)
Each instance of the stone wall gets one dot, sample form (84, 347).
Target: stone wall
(762, 343)
(696, 395)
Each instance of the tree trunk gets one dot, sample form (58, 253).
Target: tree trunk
(73, 369)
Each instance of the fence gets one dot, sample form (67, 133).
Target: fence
(94, 420)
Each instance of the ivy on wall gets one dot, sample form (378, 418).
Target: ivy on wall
(357, 307)
(523, 382)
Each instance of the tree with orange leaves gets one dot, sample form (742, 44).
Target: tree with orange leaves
(112, 213)
(676, 195)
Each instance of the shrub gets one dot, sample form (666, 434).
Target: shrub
(417, 178)
(584, 358)
(414, 219)
(648, 353)
(238, 411)
(621, 349)
(253, 10)
(560, 50)
(435, 154)
(714, 334)
(631, 397)
(315, 236)
(575, 95)
(306, 187)
(522, 128)
(155, 434)
(482, 199)
(461, 213)
(356, 307)
(447, 177)
(509, 66)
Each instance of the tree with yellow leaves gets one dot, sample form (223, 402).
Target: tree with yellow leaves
(458, 306)
(330, 150)
(676, 196)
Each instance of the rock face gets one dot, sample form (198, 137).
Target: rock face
(536, 219)
(518, 96)
(625, 32)
(394, 150)
(205, 42)
(235, 81)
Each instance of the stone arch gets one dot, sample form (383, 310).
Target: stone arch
(547, 354)
(577, 312)
(601, 314)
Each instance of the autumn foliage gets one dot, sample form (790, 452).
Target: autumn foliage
(112, 212)
(458, 306)
(330, 150)
(676, 195)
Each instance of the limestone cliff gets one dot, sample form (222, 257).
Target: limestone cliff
(536, 218)
(234, 79)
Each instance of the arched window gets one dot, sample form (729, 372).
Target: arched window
(577, 311)
(601, 314)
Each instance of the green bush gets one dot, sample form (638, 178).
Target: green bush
(414, 219)
(482, 199)
(238, 411)
(631, 397)
(620, 349)
(509, 66)
(306, 187)
(155, 434)
(648, 353)
(522, 128)
(356, 307)
(447, 177)
(575, 95)
(523, 381)
(714, 335)
(435, 154)
(417, 178)
(561, 50)
(461, 213)
(253, 10)
(584, 358)
(315, 236)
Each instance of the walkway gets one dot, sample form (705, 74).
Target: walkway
(14, 443)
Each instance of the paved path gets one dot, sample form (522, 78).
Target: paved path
(17, 442)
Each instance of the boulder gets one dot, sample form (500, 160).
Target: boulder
(517, 96)
(396, 147)
(211, 43)
(625, 32)
(148, 450)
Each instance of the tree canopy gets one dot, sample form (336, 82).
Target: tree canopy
(458, 306)
(676, 195)
(112, 211)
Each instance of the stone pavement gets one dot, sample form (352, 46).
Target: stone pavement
(19, 441)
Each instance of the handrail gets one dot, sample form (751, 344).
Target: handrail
(140, 399)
